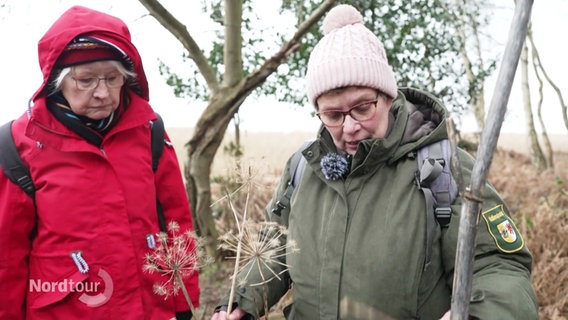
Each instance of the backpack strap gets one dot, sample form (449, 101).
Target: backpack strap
(158, 141)
(435, 174)
(158, 136)
(18, 173)
(434, 179)
(296, 168)
(12, 165)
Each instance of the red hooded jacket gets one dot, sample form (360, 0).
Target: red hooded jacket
(79, 253)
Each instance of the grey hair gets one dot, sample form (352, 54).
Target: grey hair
(58, 80)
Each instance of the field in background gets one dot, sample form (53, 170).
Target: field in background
(266, 151)
(270, 150)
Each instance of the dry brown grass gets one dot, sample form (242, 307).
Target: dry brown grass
(538, 202)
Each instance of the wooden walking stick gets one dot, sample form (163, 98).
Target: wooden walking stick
(473, 194)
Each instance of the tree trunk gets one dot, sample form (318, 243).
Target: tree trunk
(477, 100)
(549, 158)
(539, 67)
(213, 122)
(238, 151)
(535, 150)
(201, 150)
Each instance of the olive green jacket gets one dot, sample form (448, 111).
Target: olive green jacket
(362, 240)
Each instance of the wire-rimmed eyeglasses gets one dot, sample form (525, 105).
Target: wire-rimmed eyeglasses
(360, 112)
(90, 83)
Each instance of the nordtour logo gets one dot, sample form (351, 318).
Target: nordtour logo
(89, 290)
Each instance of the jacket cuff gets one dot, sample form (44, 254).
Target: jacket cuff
(184, 315)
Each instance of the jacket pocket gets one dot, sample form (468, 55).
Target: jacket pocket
(44, 292)
(57, 278)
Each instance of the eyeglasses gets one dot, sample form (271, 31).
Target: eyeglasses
(85, 84)
(360, 112)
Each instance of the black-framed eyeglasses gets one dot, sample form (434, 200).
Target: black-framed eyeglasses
(90, 83)
(360, 112)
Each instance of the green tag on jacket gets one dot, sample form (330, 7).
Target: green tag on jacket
(503, 230)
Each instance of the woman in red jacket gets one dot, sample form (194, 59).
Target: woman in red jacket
(77, 250)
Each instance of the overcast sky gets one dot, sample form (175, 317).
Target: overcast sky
(23, 22)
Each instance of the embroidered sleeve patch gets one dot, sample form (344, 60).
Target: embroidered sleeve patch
(503, 230)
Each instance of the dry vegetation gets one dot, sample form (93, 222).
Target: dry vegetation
(538, 201)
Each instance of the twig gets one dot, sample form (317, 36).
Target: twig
(239, 246)
(179, 279)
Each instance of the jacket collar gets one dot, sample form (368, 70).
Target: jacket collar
(45, 128)
(417, 119)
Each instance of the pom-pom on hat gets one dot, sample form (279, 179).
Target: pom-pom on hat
(85, 50)
(349, 54)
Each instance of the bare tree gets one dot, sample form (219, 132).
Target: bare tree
(535, 150)
(539, 66)
(467, 27)
(538, 157)
(226, 96)
(549, 158)
(540, 72)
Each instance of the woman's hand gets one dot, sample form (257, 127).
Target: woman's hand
(236, 314)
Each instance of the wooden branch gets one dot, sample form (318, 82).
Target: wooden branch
(472, 206)
(270, 65)
(179, 30)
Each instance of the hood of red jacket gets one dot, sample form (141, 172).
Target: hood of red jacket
(79, 20)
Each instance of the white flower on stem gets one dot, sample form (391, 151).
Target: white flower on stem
(176, 256)
(263, 244)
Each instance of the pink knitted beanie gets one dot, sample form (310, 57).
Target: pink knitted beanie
(349, 54)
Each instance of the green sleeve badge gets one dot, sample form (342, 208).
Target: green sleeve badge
(503, 230)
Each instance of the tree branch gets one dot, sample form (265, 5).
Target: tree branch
(270, 65)
(179, 30)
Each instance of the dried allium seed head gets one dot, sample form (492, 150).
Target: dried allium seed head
(176, 256)
(160, 290)
(263, 246)
(173, 226)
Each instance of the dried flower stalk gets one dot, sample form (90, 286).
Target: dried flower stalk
(176, 256)
(257, 244)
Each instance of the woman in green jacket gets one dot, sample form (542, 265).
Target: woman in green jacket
(357, 216)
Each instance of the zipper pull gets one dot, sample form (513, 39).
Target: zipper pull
(151, 241)
(80, 262)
